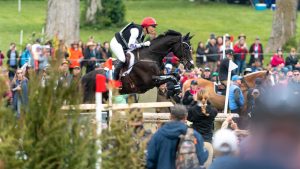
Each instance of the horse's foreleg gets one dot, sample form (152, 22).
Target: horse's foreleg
(159, 80)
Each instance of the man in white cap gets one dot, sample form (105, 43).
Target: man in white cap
(225, 144)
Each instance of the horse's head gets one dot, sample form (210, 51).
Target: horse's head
(182, 49)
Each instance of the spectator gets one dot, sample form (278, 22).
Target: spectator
(228, 45)
(292, 60)
(106, 50)
(253, 94)
(215, 77)
(163, 144)
(101, 56)
(240, 50)
(203, 115)
(275, 135)
(278, 59)
(220, 49)
(188, 98)
(162, 96)
(225, 144)
(256, 66)
(76, 56)
(26, 56)
(1, 58)
(212, 53)
(223, 73)
(36, 50)
(75, 77)
(20, 92)
(201, 58)
(256, 53)
(44, 59)
(12, 60)
(207, 74)
(236, 98)
(171, 59)
(247, 71)
(45, 76)
(295, 81)
(64, 79)
(91, 56)
(62, 52)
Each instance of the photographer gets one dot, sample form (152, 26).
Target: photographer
(188, 98)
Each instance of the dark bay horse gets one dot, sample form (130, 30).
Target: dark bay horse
(218, 101)
(146, 70)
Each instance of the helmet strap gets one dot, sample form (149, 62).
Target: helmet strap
(147, 30)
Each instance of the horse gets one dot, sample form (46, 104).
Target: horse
(218, 101)
(144, 73)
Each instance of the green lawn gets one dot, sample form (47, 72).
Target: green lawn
(180, 15)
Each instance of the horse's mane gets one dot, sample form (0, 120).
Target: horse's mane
(169, 32)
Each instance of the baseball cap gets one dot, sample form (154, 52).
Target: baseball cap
(215, 74)
(194, 82)
(248, 69)
(206, 69)
(225, 141)
(168, 66)
(236, 77)
(229, 51)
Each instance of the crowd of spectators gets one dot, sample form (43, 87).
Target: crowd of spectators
(211, 65)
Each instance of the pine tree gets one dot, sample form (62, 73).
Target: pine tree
(46, 136)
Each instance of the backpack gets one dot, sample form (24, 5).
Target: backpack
(186, 155)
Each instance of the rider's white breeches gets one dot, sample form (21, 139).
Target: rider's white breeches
(117, 49)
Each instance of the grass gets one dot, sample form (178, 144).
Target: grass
(181, 15)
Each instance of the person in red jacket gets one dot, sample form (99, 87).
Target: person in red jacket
(75, 56)
(240, 50)
(277, 59)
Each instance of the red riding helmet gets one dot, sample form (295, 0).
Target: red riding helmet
(148, 21)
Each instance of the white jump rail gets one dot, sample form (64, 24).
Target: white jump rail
(149, 117)
(149, 105)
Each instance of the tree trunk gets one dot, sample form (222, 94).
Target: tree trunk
(284, 24)
(63, 20)
(93, 6)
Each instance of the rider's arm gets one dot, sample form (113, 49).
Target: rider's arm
(134, 33)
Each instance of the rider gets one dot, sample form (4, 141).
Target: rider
(129, 38)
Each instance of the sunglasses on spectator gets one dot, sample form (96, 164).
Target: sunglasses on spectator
(296, 74)
(19, 72)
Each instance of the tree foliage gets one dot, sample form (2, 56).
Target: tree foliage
(46, 136)
(112, 14)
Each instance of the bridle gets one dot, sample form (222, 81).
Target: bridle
(184, 59)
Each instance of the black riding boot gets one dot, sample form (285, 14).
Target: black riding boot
(117, 70)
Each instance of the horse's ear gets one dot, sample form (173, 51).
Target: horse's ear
(191, 37)
(186, 37)
(188, 34)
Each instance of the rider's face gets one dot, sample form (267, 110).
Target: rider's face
(151, 30)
